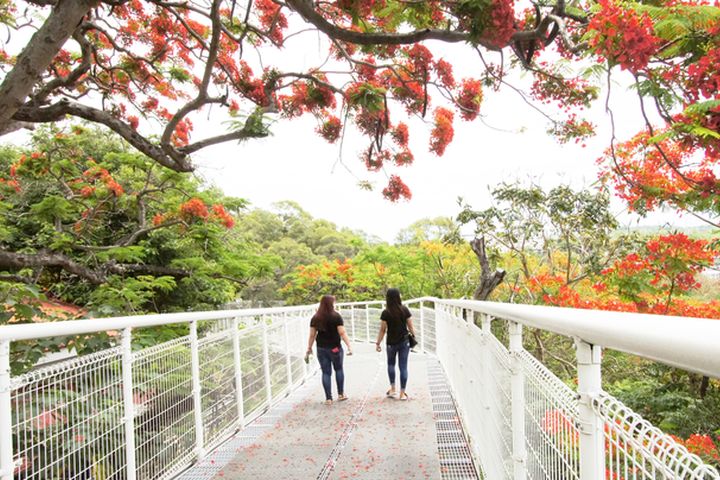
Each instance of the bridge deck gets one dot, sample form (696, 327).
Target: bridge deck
(367, 437)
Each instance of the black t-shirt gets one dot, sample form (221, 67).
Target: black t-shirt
(396, 327)
(328, 338)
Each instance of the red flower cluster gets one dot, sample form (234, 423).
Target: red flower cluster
(623, 36)
(469, 98)
(94, 172)
(704, 446)
(420, 59)
(374, 161)
(272, 20)
(181, 137)
(194, 208)
(409, 92)
(158, 219)
(311, 97)
(566, 92)
(396, 190)
(443, 132)
(358, 8)
(366, 72)
(502, 20)
(223, 216)
(330, 129)
(444, 72)
(400, 134)
(703, 76)
(403, 158)
(669, 170)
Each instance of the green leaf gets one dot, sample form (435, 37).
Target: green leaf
(52, 207)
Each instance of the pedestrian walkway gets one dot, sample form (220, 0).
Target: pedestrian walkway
(368, 436)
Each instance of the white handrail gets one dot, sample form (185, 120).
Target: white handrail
(29, 331)
(685, 342)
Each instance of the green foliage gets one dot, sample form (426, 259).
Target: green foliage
(669, 399)
(476, 11)
(559, 232)
(143, 238)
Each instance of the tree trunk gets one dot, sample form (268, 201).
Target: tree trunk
(704, 385)
(488, 280)
(36, 57)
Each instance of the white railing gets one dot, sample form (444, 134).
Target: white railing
(525, 423)
(145, 414)
(150, 413)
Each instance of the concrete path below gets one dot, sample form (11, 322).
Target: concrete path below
(368, 436)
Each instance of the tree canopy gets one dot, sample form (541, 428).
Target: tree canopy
(143, 66)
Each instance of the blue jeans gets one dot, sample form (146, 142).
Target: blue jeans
(328, 361)
(402, 351)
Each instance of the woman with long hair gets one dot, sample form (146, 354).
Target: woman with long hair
(396, 320)
(326, 328)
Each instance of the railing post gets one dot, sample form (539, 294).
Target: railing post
(288, 362)
(517, 392)
(592, 444)
(196, 391)
(352, 322)
(486, 326)
(238, 373)
(7, 467)
(488, 388)
(422, 328)
(128, 404)
(367, 323)
(439, 330)
(266, 361)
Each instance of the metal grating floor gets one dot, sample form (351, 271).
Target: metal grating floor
(456, 462)
(454, 454)
(210, 466)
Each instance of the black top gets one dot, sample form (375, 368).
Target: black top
(397, 330)
(328, 338)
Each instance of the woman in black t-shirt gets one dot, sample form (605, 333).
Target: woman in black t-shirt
(396, 320)
(326, 328)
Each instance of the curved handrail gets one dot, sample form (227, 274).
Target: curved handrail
(688, 343)
(29, 331)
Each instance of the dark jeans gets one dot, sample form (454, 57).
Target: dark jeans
(328, 360)
(401, 350)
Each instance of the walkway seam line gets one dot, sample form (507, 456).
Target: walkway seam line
(348, 430)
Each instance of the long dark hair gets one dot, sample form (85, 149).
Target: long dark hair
(325, 311)
(393, 303)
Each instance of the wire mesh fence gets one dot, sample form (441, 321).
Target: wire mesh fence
(552, 424)
(120, 414)
(635, 449)
(69, 420)
(551, 433)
